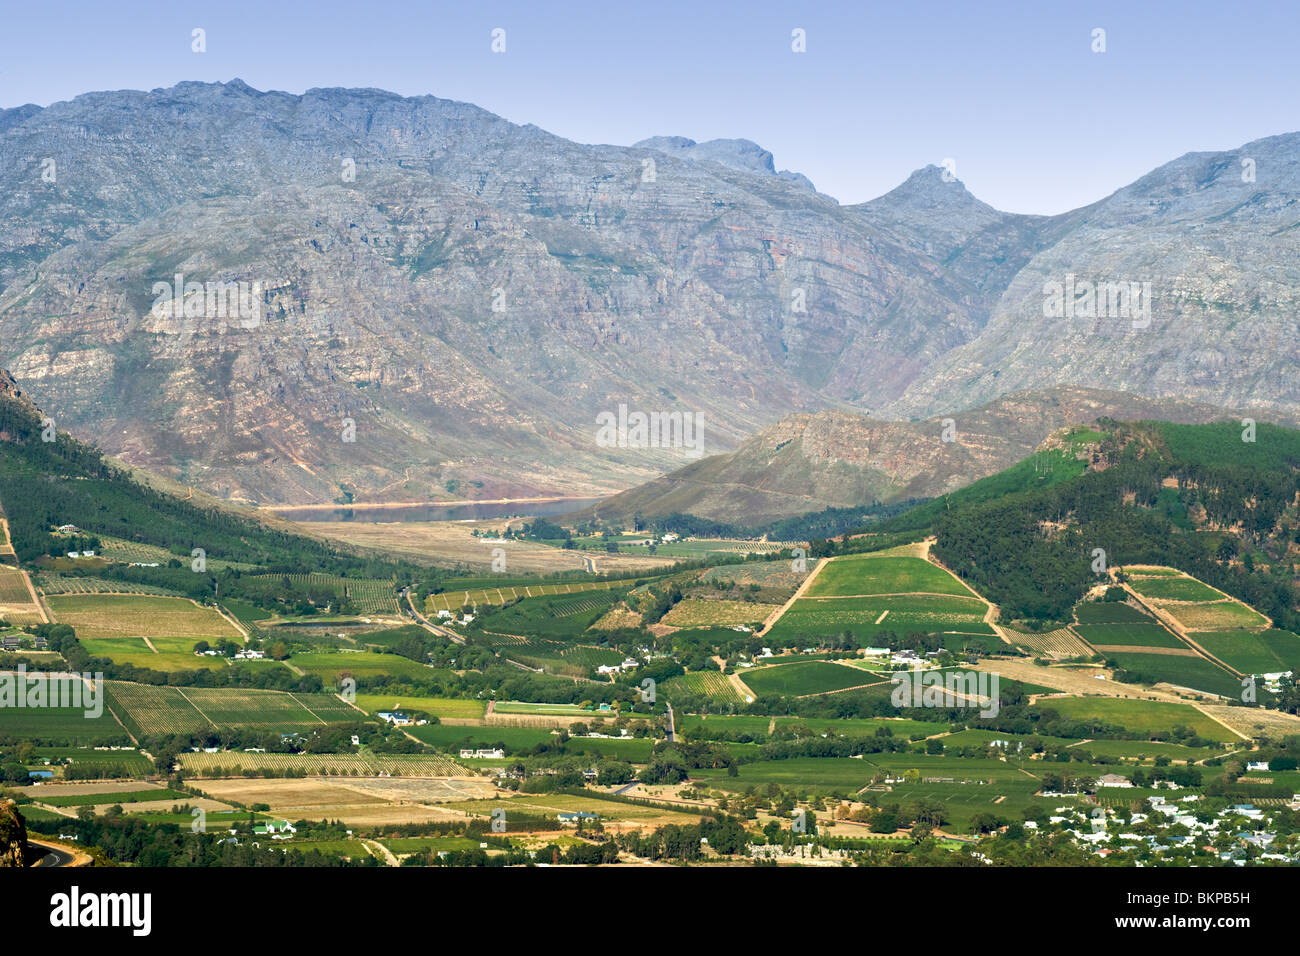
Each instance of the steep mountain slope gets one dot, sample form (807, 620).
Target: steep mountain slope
(472, 298)
(808, 462)
(470, 294)
(1217, 236)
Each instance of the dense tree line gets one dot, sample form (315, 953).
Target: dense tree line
(126, 839)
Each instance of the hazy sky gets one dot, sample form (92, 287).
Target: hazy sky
(1034, 120)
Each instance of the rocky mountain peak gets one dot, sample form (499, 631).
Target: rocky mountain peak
(742, 154)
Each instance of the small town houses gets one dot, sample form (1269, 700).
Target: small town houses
(1234, 835)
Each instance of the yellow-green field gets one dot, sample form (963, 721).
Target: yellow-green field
(1193, 604)
(107, 616)
(698, 612)
(16, 605)
(454, 600)
(442, 707)
(551, 804)
(173, 653)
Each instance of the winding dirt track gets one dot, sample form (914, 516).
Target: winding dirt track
(799, 592)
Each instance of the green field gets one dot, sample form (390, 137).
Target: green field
(246, 613)
(441, 707)
(862, 617)
(347, 764)
(451, 738)
(711, 684)
(1174, 589)
(700, 612)
(132, 761)
(1142, 716)
(723, 725)
(368, 595)
(118, 796)
(548, 710)
(982, 738)
(631, 749)
(801, 774)
(875, 574)
(1007, 800)
(147, 709)
(173, 654)
(559, 617)
(51, 584)
(1194, 672)
(1109, 612)
(1143, 748)
(898, 727)
(804, 677)
(13, 587)
(328, 665)
(556, 657)
(1134, 635)
(1253, 652)
(65, 724)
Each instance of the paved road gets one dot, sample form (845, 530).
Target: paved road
(49, 855)
(672, 727)
(429, 625)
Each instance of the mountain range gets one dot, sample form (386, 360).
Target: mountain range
(835, 459)
(437, 303)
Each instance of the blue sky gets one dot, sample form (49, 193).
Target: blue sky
(1012, 92)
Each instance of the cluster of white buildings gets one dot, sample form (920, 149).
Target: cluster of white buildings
(495, 753)
(1097, 828)
(629, 664)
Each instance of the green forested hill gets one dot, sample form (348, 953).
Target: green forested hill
(49, 483)
(1197, 497)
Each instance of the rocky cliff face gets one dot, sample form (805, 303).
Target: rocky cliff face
(469, 292)
(13, 836)
(438, 303)
(1212, 238)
